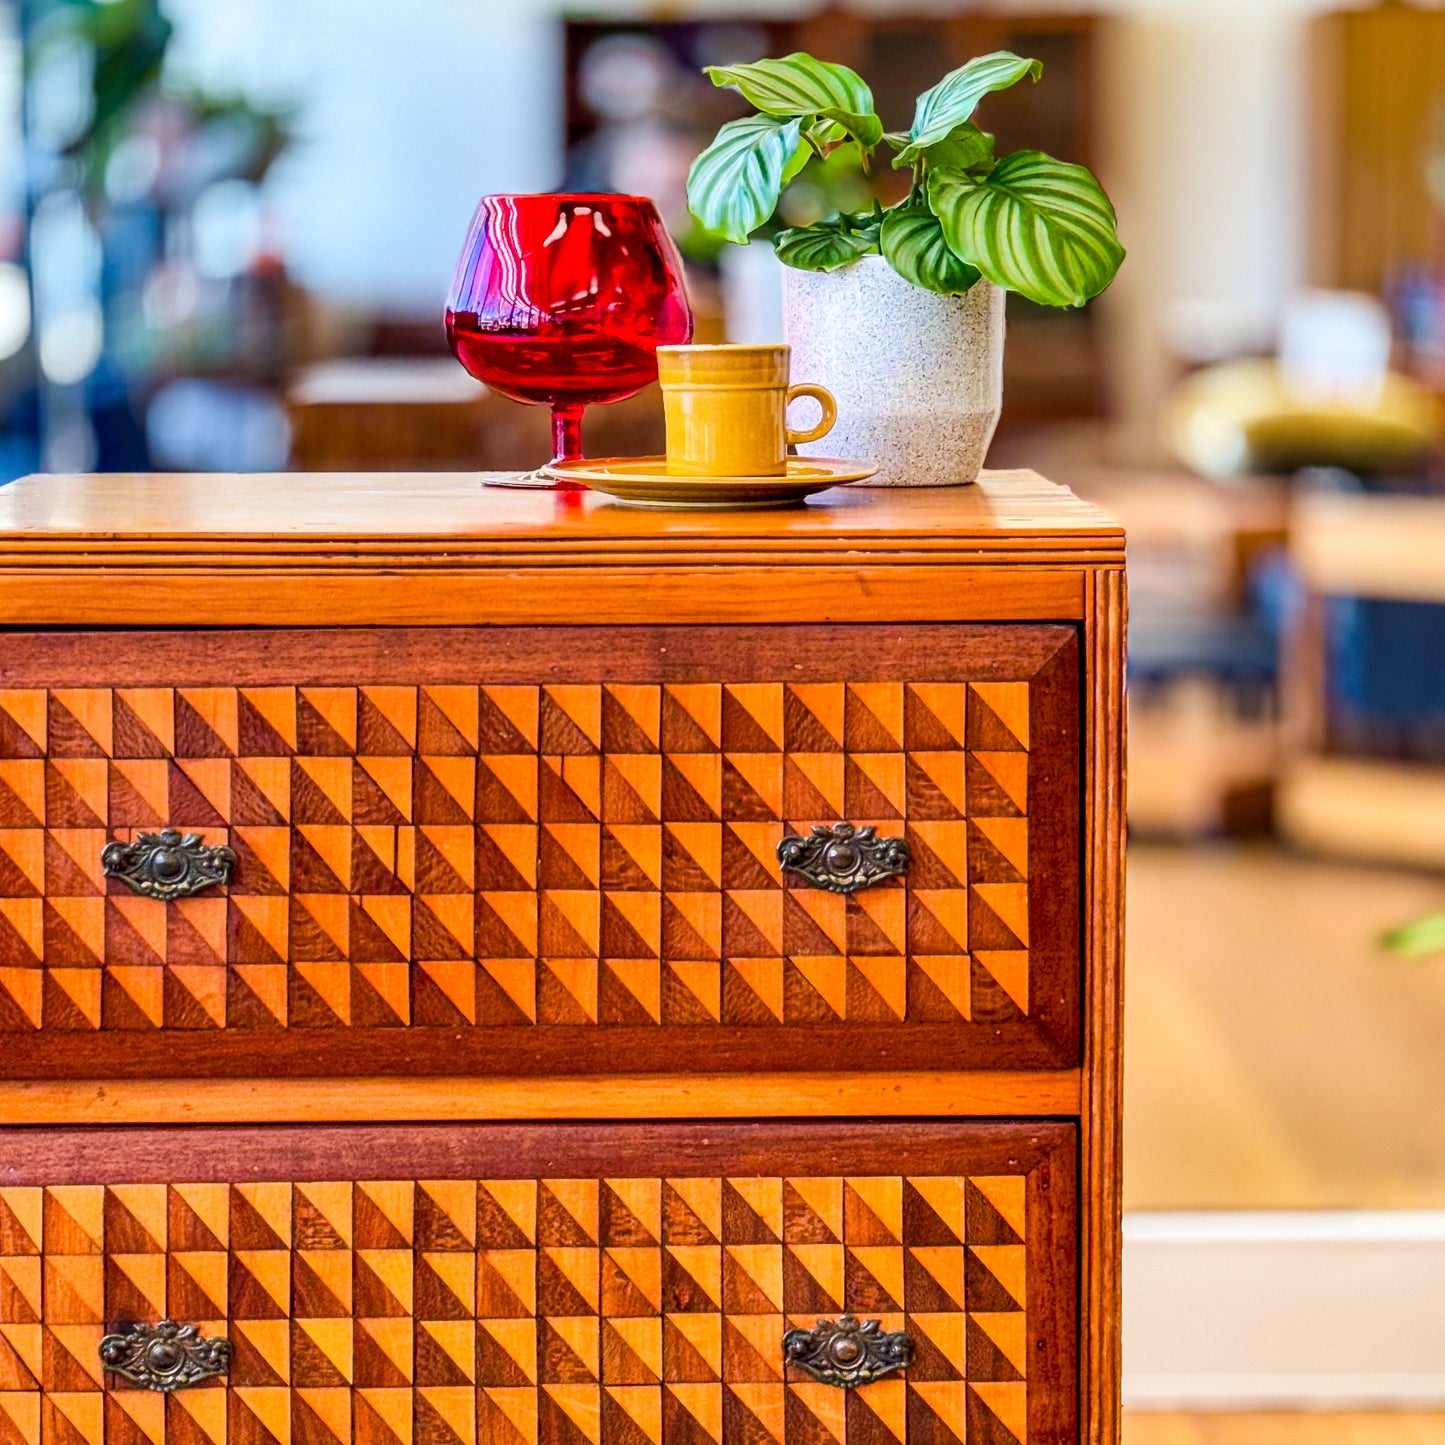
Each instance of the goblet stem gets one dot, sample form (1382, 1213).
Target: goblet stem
(566, 447)
(566, 432)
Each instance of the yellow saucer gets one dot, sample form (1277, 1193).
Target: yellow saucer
(647, 482)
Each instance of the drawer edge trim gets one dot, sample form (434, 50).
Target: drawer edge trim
(624, 1096)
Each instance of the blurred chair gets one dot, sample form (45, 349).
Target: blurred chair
(1328, 399)
(1243, 417)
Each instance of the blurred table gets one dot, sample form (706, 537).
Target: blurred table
(427, 414)
(1376, 548)
(1202, 725)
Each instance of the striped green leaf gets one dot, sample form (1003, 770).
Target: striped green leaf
(1041, 227)
(913, 243)
(964, 148)
(799, 85)
(734, 184)
(954, 99)
(824, 247)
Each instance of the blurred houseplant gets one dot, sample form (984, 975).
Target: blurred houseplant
(1422, 938)
(168, 175)
(899, 311)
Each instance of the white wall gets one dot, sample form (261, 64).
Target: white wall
(1204, 117)
(412, 110)
(1284, 1311)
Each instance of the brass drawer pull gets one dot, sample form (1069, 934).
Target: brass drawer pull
(164, 1357)
(167, 865)
(843, 858)
(846, 1353)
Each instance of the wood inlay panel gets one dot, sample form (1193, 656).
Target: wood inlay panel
(551, 1284)
(540, 850)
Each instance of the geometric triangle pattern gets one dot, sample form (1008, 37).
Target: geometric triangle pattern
(469, 1311)
(570, 853)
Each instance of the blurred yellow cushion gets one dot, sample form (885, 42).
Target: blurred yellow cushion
(1242, 417)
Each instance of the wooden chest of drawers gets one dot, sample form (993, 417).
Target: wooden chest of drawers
(596, 953)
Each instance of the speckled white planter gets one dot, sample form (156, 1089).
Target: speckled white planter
(918, 377)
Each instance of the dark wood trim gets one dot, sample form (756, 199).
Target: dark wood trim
(1054, 810)
(411, 656)
(599, 1150)
(1053, 1305)
(550, 1049)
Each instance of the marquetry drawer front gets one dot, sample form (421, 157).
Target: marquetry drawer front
(549, 848)
(541, 1285)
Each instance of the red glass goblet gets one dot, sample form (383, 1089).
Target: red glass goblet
(565, 300)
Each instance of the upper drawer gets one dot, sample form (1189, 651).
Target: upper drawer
(540, 850)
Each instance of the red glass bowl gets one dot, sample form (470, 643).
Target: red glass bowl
(564, 300)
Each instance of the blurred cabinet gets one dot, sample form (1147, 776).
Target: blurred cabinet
(1054, 368)
(1377, 128)
(427, 414)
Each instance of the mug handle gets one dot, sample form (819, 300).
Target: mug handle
(824, 424)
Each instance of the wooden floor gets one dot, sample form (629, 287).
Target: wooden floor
(1275, 1058)
(1378, 1428)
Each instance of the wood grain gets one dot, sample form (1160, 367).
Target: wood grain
(517, 1053)
(455, 513)
(323, 549)
(392, 594)
(695, 1096)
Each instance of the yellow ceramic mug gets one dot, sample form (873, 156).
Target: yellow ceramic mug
(727, 410)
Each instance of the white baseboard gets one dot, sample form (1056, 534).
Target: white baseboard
(1288, 1310)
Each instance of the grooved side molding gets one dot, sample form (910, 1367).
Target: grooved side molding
(1101, 1206)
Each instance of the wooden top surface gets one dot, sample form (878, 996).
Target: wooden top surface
(451, 512)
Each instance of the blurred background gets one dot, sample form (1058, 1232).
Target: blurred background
(226, 230)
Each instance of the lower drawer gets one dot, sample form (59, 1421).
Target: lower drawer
(539, 1284)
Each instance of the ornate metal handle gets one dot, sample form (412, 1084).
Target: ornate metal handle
(165, 1356)
(846, 1353)
(843, 858)
(166, 865)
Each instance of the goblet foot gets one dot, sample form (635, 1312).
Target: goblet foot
(539, 479)
(566, 447)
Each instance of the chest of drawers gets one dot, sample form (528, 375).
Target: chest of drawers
(507, 968)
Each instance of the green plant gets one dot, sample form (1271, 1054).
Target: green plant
(1423, 938)
(128, 41)
(1026, 222)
